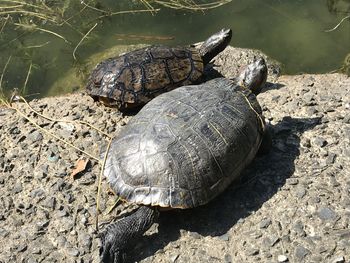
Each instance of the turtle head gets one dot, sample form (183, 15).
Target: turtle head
(254, 75)
(215, 44)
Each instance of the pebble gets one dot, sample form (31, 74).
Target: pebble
(37, 193)
(228, 258)
(73, 252)
(36, 250)
(173, 258)
(49, 202)
(339, 259)
(265, 223)
(300, 192)
(53, 158)
(301, 252)
(326, 213)
(292, 181)
(17, 188)
(35, 136)
(253, 251)
(225, 237)
(22, 248)
(319, 142)
(282, 258)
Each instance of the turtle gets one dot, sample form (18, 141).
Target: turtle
(131, 80)
(180, 151)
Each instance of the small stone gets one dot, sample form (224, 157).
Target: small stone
(274, 239)
(40, 225)
(282, 258)
(35, 136)
(330, 158)
(252, 251)
(300, 192)
(53, 158)
(224, 237)
(36, 250)
(339, 259)
(31, 260)
(22, 248)
(301, 252)
(61, 241)
(3, 233)
(298, 227)
(228, 258)
(194, 235)
(320, 142)
(37, 193)
(265, 223)
(85, 240)
(50, 202)
(174, 257)
(17, 188)
(325, 213)
(292, 181)
(306, 143)
(73, 252)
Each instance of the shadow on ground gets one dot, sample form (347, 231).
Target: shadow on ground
(258, 183)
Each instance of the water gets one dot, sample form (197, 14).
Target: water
(291, 31)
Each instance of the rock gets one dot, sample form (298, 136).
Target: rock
(265, 223)
(35, 136)
(282, 258)
(36, 250)
(319, 142)
(228, 258)
(225, 237)
(49, 202)
(37, 193)
(339, 259)
(292, 181)
(301, 252)
(326, 213)
(73, 252)
(300, 192)
(17, 188)
(252, 251)
(22, 248)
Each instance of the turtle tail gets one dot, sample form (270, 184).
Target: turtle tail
(215, 44)
(124, 233)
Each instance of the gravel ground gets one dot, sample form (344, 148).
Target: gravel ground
(291, 205)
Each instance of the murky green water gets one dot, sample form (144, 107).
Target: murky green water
(291, 31)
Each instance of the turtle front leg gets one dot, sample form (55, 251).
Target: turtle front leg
(121, 235)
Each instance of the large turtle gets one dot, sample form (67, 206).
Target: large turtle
(180, 151)
(134, 78)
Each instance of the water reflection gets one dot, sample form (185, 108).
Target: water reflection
(292, 32)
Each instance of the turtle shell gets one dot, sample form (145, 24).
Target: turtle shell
(186, 146)
(133, 79)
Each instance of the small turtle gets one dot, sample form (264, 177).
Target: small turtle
(180, 151)
(133, 79)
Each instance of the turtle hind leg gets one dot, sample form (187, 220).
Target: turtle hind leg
(121, 235)
(266, 143)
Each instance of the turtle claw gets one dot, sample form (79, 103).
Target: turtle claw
(109, 253)
(120, 236)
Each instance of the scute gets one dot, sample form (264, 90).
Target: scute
(138, 76)
(196, 143)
